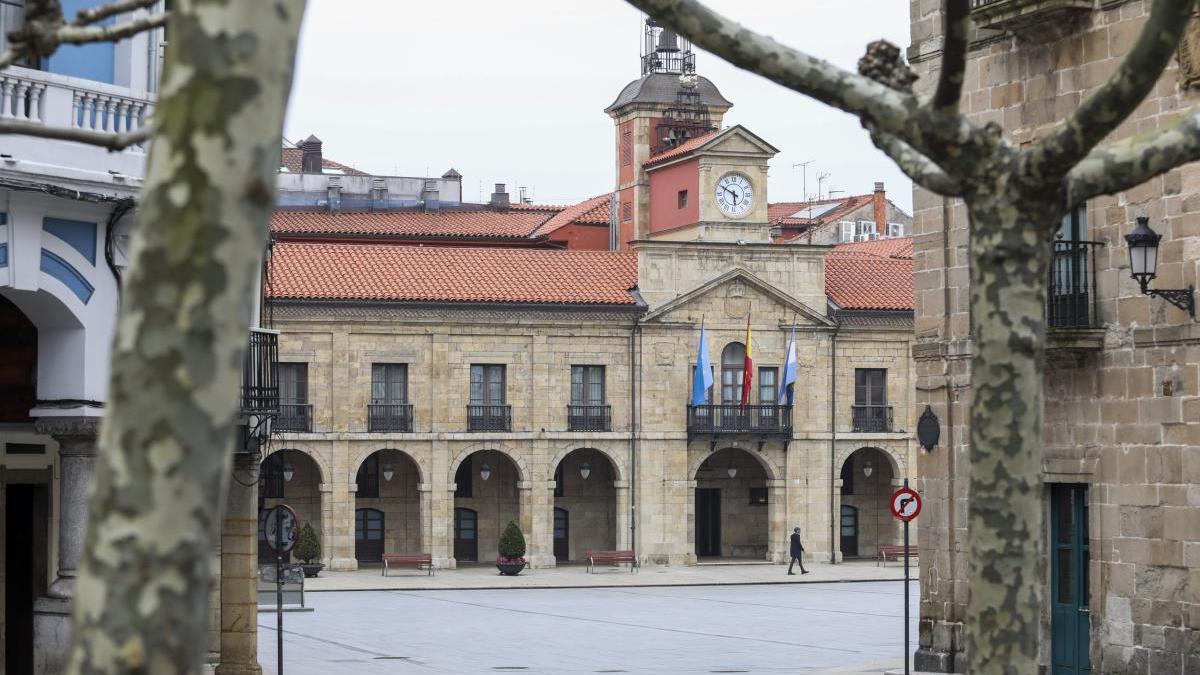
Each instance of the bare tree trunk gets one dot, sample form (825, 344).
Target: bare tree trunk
(141, 601)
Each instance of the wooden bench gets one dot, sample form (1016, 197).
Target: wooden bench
(612, 558)
(893, 552)
(416, 560)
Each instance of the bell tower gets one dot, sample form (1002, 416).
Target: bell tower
(668, 105)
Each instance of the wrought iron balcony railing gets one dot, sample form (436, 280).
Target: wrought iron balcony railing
(871, 419)
(589, 417)
(260, 380)
(1015, 14)
(395, 417)
(1071, 292)
(489, 418)
(294, 417)
(732, 418)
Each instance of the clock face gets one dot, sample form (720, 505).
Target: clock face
(735, 195)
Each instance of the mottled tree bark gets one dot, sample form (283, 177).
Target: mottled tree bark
(141, 599)
(1015, 200)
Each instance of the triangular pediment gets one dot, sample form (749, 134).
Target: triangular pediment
(732, 295)
(737, 140)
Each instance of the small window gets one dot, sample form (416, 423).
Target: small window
(462, 479)
(25, 449)
(758, 496)
(870, 386)
(368, 477)
(626, 212)
(683, 199)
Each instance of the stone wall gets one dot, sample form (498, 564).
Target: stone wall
(1110, 421)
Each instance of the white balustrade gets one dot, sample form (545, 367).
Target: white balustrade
(38, 97)
(21, 99)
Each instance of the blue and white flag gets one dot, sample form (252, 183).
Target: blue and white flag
(703, 379)
(786, 387)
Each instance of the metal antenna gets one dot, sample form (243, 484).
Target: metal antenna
(804, 184)
(821, 178)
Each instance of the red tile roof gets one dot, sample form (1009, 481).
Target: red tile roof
(592, 211)
(796, 213)
(871, 275)
(292, 160)
(683, 148)
(451, 274)
(455, 224)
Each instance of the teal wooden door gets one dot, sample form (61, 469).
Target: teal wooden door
(1070, 620)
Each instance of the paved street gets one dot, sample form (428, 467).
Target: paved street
(812, 628)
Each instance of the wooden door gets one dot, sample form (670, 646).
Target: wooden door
(466, 539)
(1070, 619)
(849, 526)
(368, 535)
(562, 522)
(708, 522)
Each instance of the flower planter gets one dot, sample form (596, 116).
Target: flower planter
(312, 570)
(510, 569)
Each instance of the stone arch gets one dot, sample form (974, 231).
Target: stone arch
(617, 465)
(769, 466)
(894, 458)
(523, 469)
(323, 469)
(422, 474)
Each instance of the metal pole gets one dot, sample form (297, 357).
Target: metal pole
(906, 592)
(279, 590)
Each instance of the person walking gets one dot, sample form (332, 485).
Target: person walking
(797, 551)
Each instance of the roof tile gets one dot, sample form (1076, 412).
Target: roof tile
(292, 160)
(446, 224)
(871, 275)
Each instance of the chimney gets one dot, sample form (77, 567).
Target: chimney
(880, 210)
(430, 195)
(499, 198)
(334, 193)
(379, 194)
(310, 155)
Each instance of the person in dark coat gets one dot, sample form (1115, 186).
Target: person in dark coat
(797, 551)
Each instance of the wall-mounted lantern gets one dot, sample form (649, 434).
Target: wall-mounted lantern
(585, 470)
(868, 468)
(1143, 267)
(485, 471)
(929, 429)
(731, 469)
(387, 472)
(288, 472)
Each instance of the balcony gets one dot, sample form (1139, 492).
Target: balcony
(389, 417)
(871, 419)
(294, 417)
(260, 381)
(489, 418)
(1071, 317)
(1018, 14)
(589, 418)
(732, 420)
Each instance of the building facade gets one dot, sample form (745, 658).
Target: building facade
(1122, 415)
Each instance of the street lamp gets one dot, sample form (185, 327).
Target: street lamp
(868, 468)
(585, 470)
(387, 472)
(288, 472)
(1143, 266)
(731, 469)
(485, 471)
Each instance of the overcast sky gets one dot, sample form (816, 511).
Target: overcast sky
(515, 91)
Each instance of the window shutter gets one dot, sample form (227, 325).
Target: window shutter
(847, 231)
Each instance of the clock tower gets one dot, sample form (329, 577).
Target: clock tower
(660, 111)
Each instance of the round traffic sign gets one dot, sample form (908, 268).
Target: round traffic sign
(280, 521)
(906, 504)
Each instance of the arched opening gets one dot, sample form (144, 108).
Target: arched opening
(485, 499)
(387, 483)
(865, 518)
(18, 371)
(733, 369)
(731, 516)
(290, 477)
(585, 505)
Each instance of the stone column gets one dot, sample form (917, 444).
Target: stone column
(778, 526)
(337, 524)
(239, 571)
(428, 541)
(443, 526)
(76, 437)
(541, 544)
(624, 543)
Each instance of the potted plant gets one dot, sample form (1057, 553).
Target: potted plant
(512, 551)
(307, 549)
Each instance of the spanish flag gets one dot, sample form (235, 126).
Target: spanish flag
(748, 367)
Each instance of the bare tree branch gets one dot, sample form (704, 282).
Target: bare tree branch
(42, 35)
(1130, 162)
(1053, 156)
(922, 170)
(889, 110)
(90, 15)
(77, 35)
(111, 141)
(954, 57)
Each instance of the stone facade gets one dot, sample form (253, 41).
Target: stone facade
(1122, 413)
(644, 472)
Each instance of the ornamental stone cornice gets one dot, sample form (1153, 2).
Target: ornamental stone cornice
(68, 429)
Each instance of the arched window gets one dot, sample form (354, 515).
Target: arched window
(733, 365)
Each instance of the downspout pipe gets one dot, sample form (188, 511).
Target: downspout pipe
(837, 326)
(634, 373)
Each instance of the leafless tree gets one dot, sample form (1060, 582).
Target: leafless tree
(1015, 199)
(141, 599)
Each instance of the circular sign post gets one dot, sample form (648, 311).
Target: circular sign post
(280, 525)
(905, 505)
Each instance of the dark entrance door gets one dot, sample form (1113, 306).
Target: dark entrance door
(849, 526)
(368, 535)
(466, 541)
(1070, 621)
(26, 508)
(562, 551)
(708, 522)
